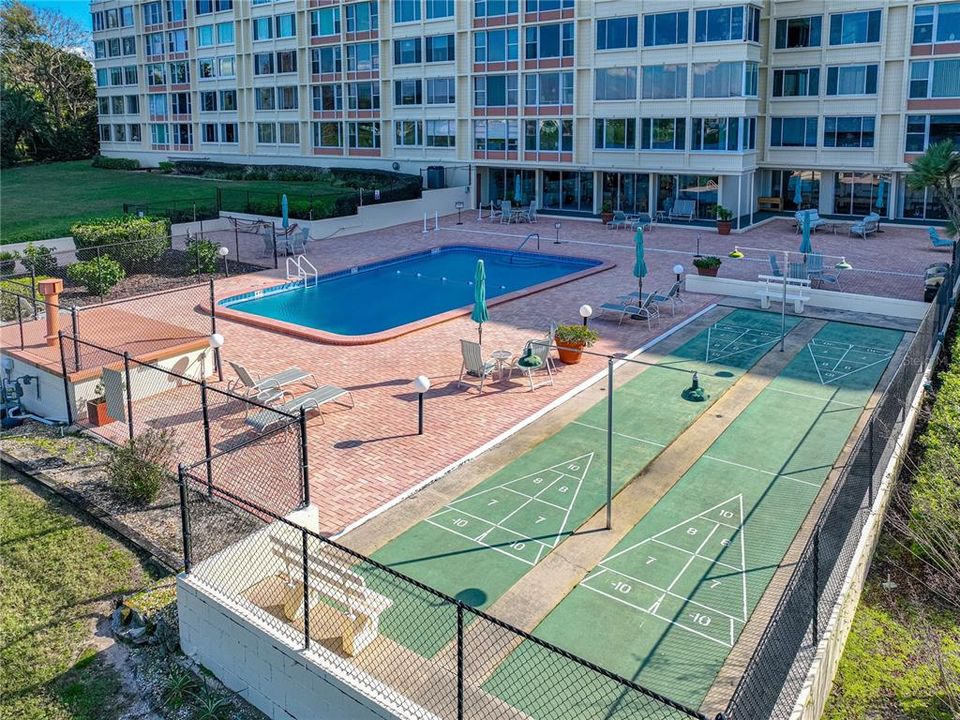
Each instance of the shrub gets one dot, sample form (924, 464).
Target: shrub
(203, 256)
(707, 262)
(17, 292)
(576, 335)
(139, 467)
(8, 262)
(39, 259)
(108, 163)
(724, 214)
(133, 239)
(99, 275)
(166, 167)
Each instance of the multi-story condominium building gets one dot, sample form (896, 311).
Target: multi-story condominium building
(577, 103)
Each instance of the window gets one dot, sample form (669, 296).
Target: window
(287, 61)
(550, 88)
(289, 133)
(263, 64)
(852, 80)
(227, 66)
(549, 41)
(204, 7)
(116, 105)
(494, 8)
(206, 68)
(288, 98)
(327, 134)
(177, 41)
(156, 74)
(793, 132)
(104, 133)
(223, 5)
(208, 101)
(495, 91)
(725, 79)
(264, 98)
(439, 48)
(133, 104)
(262, 28)
(228, 100)
(615, 84)
(134, 132)
(130, 75)
(176, 10)
(441, 133)
(495, 135)
(936, 23)
(362, 17)
(126, 16)
(408, 133)
(129, 46)
(439, 9)
(615, 134)
(152, 13)
(725, 24)
(112, 18)
(208, 133)
(113, 47)
(627, 192)
(325, 22)
(663, 133)
(926, 130)
(157, 104)
(661, 82)
(158, 134)
(363, 56)
(723, 134)
(617, 33)
(935, 78)
(548, 135)
(363, 96)
(204, 35)
(266, 133)
(103, 77)
(224, 33)
(327, 97)
(103, 105)
(99, 49)
(119, 133)
(407, 92)
(116, 76)
(286, 25)
(669, 28)
(363, 134)
(441, 91)
(495, 45)
(848, 132)
(803, 32)
(97, 18)
(406, 11)
(406, 51)
(855, 27)
(568, 190)
(153, 44)
(532, 6)
(796, 82)
(326, 60)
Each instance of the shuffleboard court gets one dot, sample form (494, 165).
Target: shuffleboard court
(479, 545)
(668, 603)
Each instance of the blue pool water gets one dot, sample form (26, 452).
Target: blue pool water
(394, 292)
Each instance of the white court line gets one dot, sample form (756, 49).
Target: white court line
(701, 557)
(623, 435)
(510, 489)
(517, 492)
(743, 561)
(814, 397)
(762, 472)
(691, 559)
(482, 544)
(573, 500)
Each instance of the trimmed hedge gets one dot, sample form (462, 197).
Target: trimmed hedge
(99, 275)
(108, 163)
(132, 239)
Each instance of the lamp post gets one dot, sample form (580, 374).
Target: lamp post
(223, 252)
(698, 246)
(459, 205)
(585, 312)
(215, 342)
(678, 270)
(421, 384)
(556, 226)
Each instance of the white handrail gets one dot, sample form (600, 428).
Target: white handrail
(302, 266)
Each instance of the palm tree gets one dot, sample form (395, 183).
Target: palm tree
(939, 169)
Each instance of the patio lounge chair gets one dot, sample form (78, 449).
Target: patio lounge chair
(682, 210)
(869, 224)
(619, 220)
(531, 212)
(644, 220)
(937, 241)
(647, 309)
(815, 220)
(672, 297)
(535, 358)
(817, 273)
(473, 365)
(267, 389)
(312, 400)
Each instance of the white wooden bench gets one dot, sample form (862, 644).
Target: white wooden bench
(355, 608)
(772, 287)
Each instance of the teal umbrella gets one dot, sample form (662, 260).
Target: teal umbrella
(798, 192)
(881, 186)
(480, 314)
(285, 209)
(805, 246)
(639, 265)
(517, 189)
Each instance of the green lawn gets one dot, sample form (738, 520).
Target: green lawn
(42, 201)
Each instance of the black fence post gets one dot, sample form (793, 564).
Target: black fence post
(816, 585)
(276, 259)
(306, 593)
(219, 199)
(304, 467)
(236, 240)
(16, 299)
(213, 331)
(66, 381)
(129, 393)
(75, 326)
(184, 520)
(459, 661)
(206, 435)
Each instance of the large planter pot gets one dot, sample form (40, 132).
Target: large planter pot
(97, 412)
(570, 353)
(708, 272)
(7, 267)
(724, 226)
(606, 217)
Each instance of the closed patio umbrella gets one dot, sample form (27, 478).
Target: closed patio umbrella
(805, 246)
(285, 210)
(639, 264)
(480, 314)
(517, 189)
(798, 192)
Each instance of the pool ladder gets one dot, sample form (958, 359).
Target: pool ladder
(300, 268)
(525, 240)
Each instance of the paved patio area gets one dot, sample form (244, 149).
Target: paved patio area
(364, 457)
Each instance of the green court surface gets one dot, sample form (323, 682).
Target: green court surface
(477, 546)
(666, 606)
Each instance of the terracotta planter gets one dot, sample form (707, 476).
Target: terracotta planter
(97, 412)
(708, 272)
(570, 353)
(724, 226)
(606, 217)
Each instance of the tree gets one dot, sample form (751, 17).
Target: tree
(52, 96)
(939, 169)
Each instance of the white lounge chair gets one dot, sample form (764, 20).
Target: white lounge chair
(672, 298)
(646, 310)
(473, 365)
(265, 419)
(269, 388)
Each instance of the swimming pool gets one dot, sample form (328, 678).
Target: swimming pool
(390, 297)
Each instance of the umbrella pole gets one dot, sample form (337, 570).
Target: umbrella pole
(480, 333)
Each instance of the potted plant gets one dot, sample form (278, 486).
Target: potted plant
(571, 340)
(724, 220)
(97, 407)
(606, 212)
(8, 262)
(707, 265)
